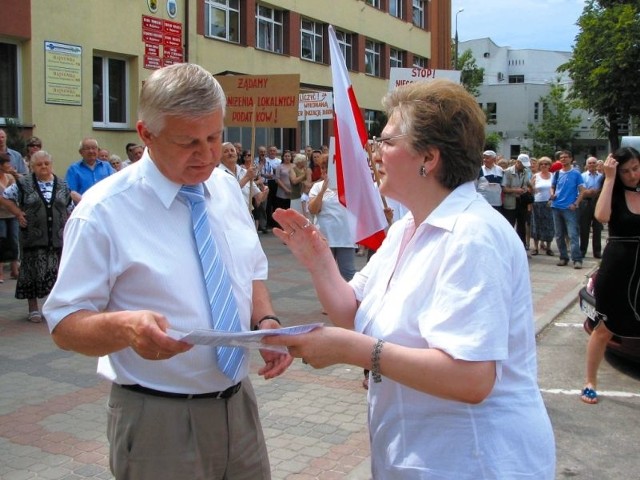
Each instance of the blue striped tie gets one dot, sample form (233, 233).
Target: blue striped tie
(223, 305)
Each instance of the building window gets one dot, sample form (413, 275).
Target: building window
(395, 58)
(311, 41)
(9, 84)
(395, 8)
(492, 113)
(536, 111)
(269, 29)
(110, 87)
(222, 19)
(516, 78)
(373, 3)
(372, 58)
(419, 62)
(345, 40)
(418, 13)
(374, 122)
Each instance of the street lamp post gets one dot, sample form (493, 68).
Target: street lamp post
(456, 39)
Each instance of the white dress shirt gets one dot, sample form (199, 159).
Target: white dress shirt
(460, 286)
(129, 246)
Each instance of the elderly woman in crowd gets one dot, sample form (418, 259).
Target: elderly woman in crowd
(300, 177)
(41, 202)
(9, 228)
(244, 175)
(542, 230)
(116, 162)
(451, 346)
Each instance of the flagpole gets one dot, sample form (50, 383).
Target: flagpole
(253, 146)
(376, 176)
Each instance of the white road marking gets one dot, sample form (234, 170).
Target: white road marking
(603, 393)
(563, 324)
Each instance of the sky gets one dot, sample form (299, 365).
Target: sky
(530, 24)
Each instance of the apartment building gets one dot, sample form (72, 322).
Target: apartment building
(514, 82)
(74, 68)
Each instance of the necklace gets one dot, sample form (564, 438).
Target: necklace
(632, 189)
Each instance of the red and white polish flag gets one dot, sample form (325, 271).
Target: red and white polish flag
(356, 189)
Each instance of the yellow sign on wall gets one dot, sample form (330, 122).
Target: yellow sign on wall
(261, 100)
(63, 73)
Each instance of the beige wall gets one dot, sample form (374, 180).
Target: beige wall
(114, 26)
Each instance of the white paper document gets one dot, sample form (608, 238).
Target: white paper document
(252, 339)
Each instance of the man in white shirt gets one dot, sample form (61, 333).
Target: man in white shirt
(130, 271)
(14, 156)
(489, 183)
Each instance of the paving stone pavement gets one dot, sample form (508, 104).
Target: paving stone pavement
(52, 403)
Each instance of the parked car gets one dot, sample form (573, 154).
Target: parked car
(628, 348)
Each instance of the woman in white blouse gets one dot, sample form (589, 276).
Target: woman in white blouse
(442, 314)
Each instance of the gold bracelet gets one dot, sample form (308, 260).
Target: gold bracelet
(375, 361)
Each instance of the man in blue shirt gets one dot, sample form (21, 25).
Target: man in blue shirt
(592, 186)
(15, 158)
(88, 171)
(567, 188)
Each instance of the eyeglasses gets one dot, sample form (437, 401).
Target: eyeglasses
(34, 145)
(544, 164)
(377, 142)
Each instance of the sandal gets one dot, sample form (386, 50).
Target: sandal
(35, 317)
(589, 395)
(535, 252)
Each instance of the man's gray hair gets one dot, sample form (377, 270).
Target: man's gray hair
(183, 89)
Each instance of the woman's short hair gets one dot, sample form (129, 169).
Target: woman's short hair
(182, 89)
(300, 158)
(441, 114)
(40, 154)
(4, 158)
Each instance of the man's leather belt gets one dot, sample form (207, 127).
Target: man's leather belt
(228, 393)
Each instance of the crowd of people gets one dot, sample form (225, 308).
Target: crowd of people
(438, 357)
(546, 200)
(35, 204)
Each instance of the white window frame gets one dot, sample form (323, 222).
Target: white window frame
(419, 62)
(395, 58)
(106, 121)
(311, 34)
(18, 80)
(418, 13)
(231, 27)
(270, 25)
(345, 40)
(395, 8)
(373, 3)
(372, 63)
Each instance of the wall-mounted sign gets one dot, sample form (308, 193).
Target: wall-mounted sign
(261, 100)
(162, 42)
(315, 106)
(63, 73)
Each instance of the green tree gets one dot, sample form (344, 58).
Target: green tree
(557, 128)
(492, 141)
(606, 61)
(471, 75)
